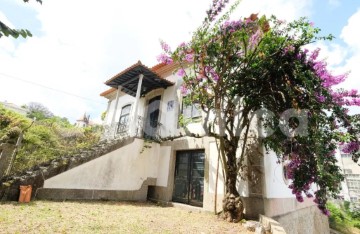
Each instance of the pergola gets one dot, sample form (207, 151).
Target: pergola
(137, 80)
(129, 79)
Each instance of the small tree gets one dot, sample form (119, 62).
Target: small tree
(259, 65)
(38, 111)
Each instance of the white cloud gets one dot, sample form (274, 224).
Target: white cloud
(350, 33)
(346, 58)
(282, 9)
(84, 43)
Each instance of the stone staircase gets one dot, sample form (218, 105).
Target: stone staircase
(35, 176)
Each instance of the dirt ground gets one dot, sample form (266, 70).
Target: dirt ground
(108, 217)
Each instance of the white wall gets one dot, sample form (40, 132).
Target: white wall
(124, 100)
(213, 163)
(275, 186)
(163, 166)
(123, 169)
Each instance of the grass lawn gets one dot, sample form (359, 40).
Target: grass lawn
(108, 217)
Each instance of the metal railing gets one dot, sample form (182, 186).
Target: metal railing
(150, 130)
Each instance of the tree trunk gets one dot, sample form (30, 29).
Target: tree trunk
(232, 204)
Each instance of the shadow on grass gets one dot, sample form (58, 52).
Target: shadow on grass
(94, 202)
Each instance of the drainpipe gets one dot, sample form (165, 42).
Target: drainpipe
(134, 121)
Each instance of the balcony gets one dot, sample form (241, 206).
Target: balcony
(150, 130)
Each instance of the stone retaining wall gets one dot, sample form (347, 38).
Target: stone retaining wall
(9, 186)
(304, 221)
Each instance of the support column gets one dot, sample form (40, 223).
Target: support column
(112, 126)
(134, 121)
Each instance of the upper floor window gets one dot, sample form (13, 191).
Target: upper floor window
(191, 111)
(124, 118)
(343, 155)
(347, 171)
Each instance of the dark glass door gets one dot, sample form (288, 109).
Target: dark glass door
(189, 177)
(151, 122)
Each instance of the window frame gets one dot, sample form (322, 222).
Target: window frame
(124, 126)
(195, 108)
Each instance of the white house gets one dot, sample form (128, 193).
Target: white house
(145, 103)
(350, 187)
(83, 121)
(15, 108)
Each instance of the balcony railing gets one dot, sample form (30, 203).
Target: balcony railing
(148, 130)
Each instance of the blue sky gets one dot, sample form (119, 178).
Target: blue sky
(77, 45)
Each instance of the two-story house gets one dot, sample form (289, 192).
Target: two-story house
(163, 162)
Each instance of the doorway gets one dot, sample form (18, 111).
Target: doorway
(152, 118)
(189, 177)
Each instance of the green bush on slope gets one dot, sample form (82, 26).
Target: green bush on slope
(46, 139)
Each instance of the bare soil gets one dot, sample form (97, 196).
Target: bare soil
(108, 217)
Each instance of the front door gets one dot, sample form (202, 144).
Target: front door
(189, 177)
(152, 118)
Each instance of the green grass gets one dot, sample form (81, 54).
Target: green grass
(107, 217)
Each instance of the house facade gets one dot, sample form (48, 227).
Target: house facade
(350, 187)
(145, 104)
(15, 108)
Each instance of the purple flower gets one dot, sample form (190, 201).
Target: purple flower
(189, 57)
(163, 58)
(184, 90)
(321, 98)
(210, 73)
(182, 44)
(326, 212)
(351, 147)
(181, 72)
(165, 47)
(315, 54)
(289, 48)
(254, 39)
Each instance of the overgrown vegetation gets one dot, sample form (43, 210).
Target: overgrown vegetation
(343, 217)
(258, 68)
(48, 138)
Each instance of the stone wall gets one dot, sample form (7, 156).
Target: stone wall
(6, 151)
(304, 221)
(9, 185)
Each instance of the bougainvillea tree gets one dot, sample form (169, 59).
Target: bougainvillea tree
(235, 68)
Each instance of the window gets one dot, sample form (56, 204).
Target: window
(343, 155)
(124, 119)
(347, 171)
(191, 111)
(354, 184)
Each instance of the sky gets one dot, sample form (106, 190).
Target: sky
(78, 45)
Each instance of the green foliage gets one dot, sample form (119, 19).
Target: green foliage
(103, 115)
(38, 111)
(46, 139)
(341, 218)
(15, 33)
(233, 69)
